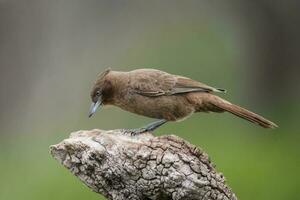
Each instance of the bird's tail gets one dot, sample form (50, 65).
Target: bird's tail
(242, 112)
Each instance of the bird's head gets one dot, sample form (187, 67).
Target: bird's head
(100, 91)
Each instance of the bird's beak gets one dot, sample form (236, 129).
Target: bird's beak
(94, 107)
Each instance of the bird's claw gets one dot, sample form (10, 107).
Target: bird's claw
(133, 132)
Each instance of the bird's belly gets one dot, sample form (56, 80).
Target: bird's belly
(171, 108)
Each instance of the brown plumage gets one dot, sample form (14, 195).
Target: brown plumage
(157, 94)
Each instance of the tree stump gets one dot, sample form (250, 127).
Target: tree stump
(142, 167)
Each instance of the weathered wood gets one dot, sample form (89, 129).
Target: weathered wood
(141, 167)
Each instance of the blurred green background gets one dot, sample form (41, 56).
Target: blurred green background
(51, 52)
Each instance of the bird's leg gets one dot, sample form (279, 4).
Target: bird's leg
(150, 127)
(154, 125)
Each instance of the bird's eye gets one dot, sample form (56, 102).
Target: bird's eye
(98, 93)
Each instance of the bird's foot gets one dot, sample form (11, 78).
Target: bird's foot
(150, 127)
(135, 131)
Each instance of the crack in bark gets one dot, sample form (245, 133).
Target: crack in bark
(141, 167)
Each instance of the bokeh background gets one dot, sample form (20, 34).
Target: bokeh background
(51, 52)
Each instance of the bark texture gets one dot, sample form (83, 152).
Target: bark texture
(141, 167)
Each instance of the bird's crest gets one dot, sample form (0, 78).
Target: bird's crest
(104, 73)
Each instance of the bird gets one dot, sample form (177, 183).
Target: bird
(163, 96)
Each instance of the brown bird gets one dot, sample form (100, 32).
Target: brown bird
(160, 95)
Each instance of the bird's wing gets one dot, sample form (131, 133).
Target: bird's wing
(150, 82)
(184, 84)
